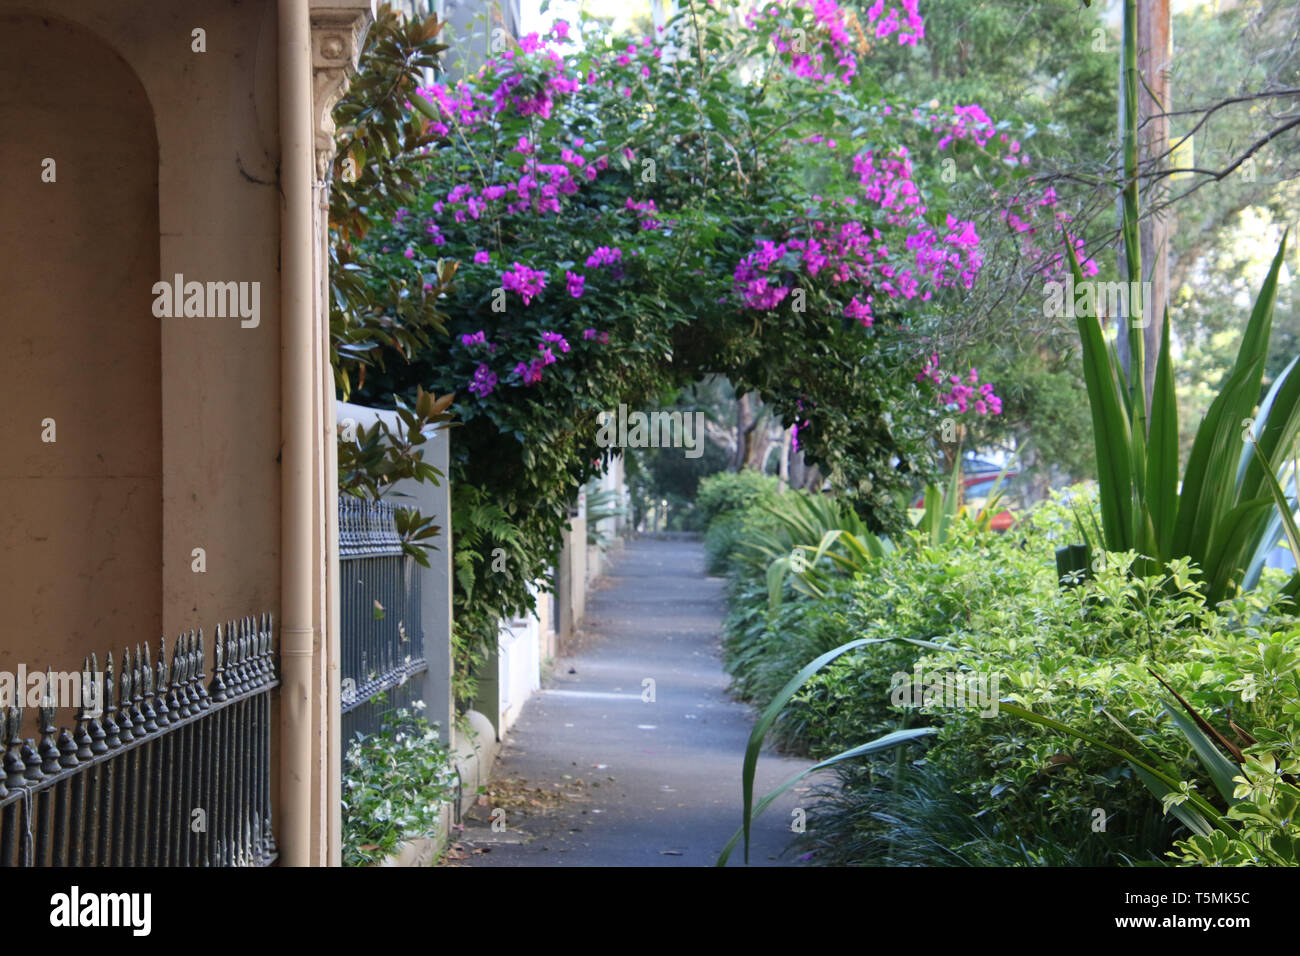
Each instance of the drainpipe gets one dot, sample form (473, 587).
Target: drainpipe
(297, 493)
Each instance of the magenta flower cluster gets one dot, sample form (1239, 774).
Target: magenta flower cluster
(888, 24)
(837, 243)
(855, 252)
(484, 381)
(529, 283)
(604, 256)
(830, 57)
(531, 372)
(647, 211)
(961, 395)
(967, 122)
(554, 338)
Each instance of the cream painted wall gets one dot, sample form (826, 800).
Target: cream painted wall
(80, 516)
(217, 219)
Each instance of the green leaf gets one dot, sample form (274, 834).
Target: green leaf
(1110, 427)
(1162, 454)
(1220, 768)
(1213, 483)
(1188, 815)
(1283, 507)
(777, 705)
(890, 740)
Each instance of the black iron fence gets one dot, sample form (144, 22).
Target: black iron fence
(382, 639)
(165, 770)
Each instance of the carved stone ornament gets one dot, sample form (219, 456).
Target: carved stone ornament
(338, 28)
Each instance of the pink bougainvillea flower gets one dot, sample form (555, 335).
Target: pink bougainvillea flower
(484, 381)
(531, 372)
(554, 338)
(961, 397)
(860, 311)
(575, 283)
(529, 283)
(604, 256)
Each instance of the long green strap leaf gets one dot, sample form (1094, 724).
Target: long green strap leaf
(892, 739)
(782, 698)
(1279, 413)
(1284, 507)
(1110, 426)
(1222, 771)
(1211, 484)
(1242, 529)
(1191, 819)
(1162, 453)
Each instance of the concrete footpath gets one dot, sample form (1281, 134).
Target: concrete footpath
(592, 774)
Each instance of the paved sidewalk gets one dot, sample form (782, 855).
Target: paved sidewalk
(592, 775)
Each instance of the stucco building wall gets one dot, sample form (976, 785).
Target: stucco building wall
(167, 427)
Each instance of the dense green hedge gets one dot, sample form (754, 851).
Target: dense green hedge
(991, 788)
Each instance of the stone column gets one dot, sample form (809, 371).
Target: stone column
(338, 29)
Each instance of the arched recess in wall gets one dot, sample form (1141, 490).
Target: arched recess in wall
(80, 516)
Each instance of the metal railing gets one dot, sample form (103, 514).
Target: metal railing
(382, 638)
(166, 771)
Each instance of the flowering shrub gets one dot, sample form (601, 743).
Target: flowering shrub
(630, 214)
(875, 245)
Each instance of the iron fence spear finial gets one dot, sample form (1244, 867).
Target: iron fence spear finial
(49, 749)
(125, 724)
(107, 705)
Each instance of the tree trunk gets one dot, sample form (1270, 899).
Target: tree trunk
(812, 478)
(759, 441)
(783, 468)
(744, 419)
